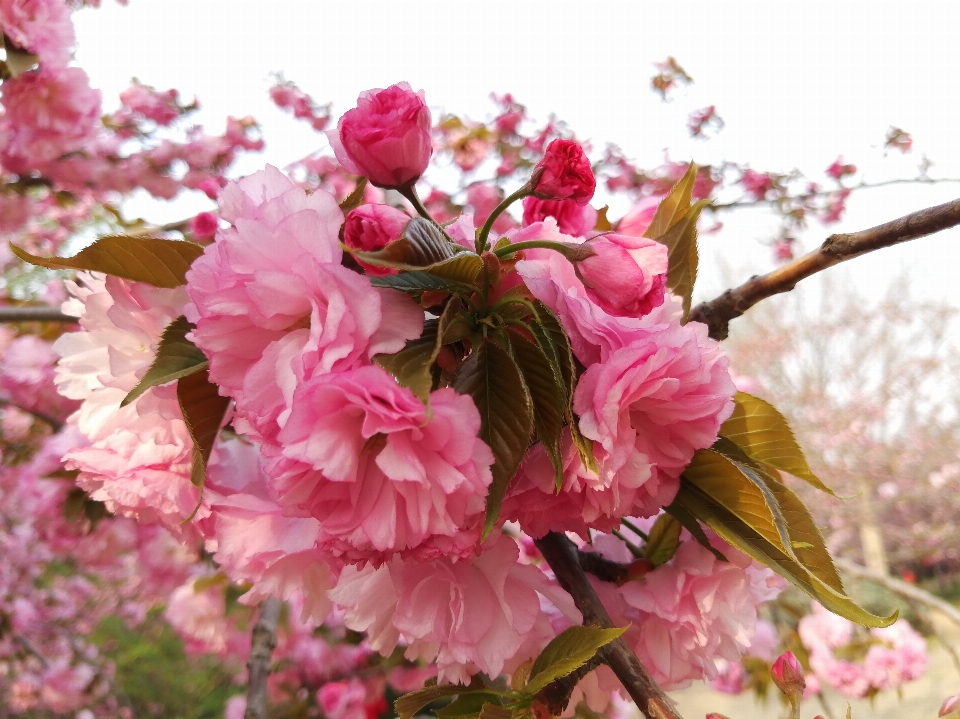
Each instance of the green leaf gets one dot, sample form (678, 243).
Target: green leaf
(203, 411)
(409, 704)
(569, 650)
(161, 263)
(494, 381)
(355, 198)
(674, 206)
(548, 406)
(415, 281)
(495, 711)
(763, 434)
(421, 244)
(663, 540)
(413, 365)
(468, 704)
(176, 357)
(747, 528)
(690, 523)
(682, 260)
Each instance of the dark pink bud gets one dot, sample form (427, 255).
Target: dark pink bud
(788, 676)
(371, 228)
(564, 173)
(204, 226)
(624, 275)
(386, 137)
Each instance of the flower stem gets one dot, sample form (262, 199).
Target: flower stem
(564, 248)
(483, 238)
(410, 193)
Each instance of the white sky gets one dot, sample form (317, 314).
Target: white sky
(796, 83)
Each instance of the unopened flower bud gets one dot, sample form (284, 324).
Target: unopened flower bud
(372, 227)
(950, 707)
(564, 173)
(624, 275)
(788, 676)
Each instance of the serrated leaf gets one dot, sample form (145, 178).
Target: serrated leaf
(674, 206)
(682, 258)
(161, 263)
(176, 357)
(763, 434)
(468, 704)
(413, 365)
(203, 411)
(494, 381)
(548, 407)
(690, 523)
(409, 704)
(663, 540)
(421, 244)
(569, 650)
(420, 281)
(355, 198)
(750, 532)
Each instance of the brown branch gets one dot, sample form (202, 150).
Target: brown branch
(34, 313)
(263, 640)
(561, 555)
(717, 313)
(604, 569)
(55, 424)
(556, 695)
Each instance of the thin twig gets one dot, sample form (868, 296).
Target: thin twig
(897, 586)
(55, 424)
(717, 313)
(34, 313)
(262, 643)
(561, 555)
(26, 644)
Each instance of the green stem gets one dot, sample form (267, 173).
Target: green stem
(410, 193)
(634, 528)
(564, 248)
(482, 239)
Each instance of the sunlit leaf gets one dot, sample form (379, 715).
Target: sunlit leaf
(203, 411)
(689, 522)
(355, 198)
(603, 223)
(681, 242)
(548, 407)
(663, 540)
(176, 357)
(162, 263)
(409, 704)
(569, 650)
(764, 435)
(674, 206)
(494, 381)
(468, 704)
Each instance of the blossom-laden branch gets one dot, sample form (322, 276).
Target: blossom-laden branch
(561, 554)
(262, 643)
(717, 313)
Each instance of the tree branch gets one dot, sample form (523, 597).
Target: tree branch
(34, 313)
(717, 313)
(561, 555)
(263, 640)
(55, 424)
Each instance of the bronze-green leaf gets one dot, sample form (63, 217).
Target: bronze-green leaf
(417, 281)
(495, 711)
(161, 263)
(355, 198)
(421, 244)
(663, 540)
(409, 704)
(674, 206)
(682, 258)
(569, 650)
(494, 381)
(203, 411)
(468, 704)
(764, 435)
(548, 405)
(176, 357)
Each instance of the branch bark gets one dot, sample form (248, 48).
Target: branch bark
(34, 313)
(717, 313)
(263, 640)
(561, 555)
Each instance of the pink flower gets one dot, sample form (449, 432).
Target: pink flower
(42, 27)
(571, 217)
(47, 115)
(624, 275)
(386, 138)
(391, 475)
(757, 184)
(838, 170)
(343, 699)
(788, 675)
(483, 613)
(564, 173)
(639, 217)
(204, 226)
(273, 305)
(484, 198)
(370, 228)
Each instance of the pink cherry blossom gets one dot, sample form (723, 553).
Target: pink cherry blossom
(572, 218)
(41, 27)
(343, 700)
(624, 275)
(370, 228)
(564, 173)
(391, 475)
(386, 138)
(639, 217)
(204, 226)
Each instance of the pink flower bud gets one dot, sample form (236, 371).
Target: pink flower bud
(372, 227)
(624, 275)
(204, 226)
(788, 675)
(564, 173)
(572, 219)
(950, 706)
(386, 137)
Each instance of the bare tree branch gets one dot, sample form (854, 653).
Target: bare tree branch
(34, 313)
(262, 643)
(717, 313)
(561, 555)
